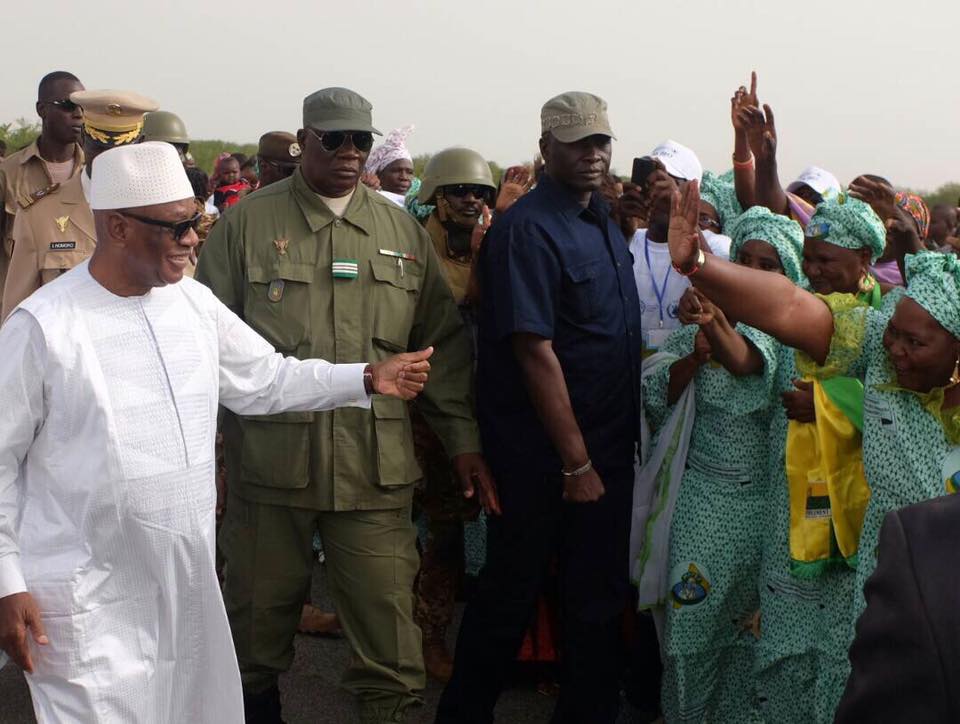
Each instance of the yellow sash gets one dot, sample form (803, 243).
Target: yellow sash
(828, 489)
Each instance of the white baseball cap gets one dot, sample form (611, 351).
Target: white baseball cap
(678, 160)
(820, 180)
(141, 174)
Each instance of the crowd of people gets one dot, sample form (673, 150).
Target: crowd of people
(705, 421)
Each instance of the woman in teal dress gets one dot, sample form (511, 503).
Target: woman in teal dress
(716, 536)
(801, 659)
(907, 353)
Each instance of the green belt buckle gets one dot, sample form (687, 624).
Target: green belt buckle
(345, 269)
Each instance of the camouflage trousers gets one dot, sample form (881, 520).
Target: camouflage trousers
(440, 500)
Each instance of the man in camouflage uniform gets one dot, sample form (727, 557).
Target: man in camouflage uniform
(321, 265)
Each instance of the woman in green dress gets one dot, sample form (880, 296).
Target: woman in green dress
(715, 537)
(907, 353)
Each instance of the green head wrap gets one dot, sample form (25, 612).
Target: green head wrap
(848, 223)
(780, 232)
(933, 282)
(722, 196)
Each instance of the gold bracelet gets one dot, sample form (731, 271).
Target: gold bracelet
(697, 265)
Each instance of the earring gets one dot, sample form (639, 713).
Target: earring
(866, 284)
(955, 377)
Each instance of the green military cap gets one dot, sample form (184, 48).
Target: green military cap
(164, 126)
(279, 147)
(338, 109)
(574, 115)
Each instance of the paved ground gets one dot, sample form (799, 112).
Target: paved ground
(310, 690)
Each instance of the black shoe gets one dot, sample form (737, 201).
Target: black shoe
(262, 708)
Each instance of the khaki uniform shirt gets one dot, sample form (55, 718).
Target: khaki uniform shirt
(24, 180)
(351, 289)
(50, 236)
(456, 270)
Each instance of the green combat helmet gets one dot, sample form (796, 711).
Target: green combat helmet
(165, 126)
(453, 166)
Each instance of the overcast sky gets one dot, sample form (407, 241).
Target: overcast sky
(857, 86)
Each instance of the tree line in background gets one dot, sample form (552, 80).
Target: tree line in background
(205, 152)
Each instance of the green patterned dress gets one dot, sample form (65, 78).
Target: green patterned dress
(801, 660)
(716, 537)
(906, 454)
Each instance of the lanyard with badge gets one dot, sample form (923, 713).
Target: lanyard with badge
(656, 337)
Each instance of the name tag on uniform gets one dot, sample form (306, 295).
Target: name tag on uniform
(63, 245)
(345, 269)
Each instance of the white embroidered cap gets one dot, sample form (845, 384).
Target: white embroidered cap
(678, 160)
(141, 174)
(820, 180)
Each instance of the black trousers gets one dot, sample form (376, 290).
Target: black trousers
(592, 541)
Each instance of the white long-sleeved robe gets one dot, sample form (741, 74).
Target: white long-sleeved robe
(108, 410)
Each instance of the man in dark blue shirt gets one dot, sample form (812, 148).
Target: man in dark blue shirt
(558, 390)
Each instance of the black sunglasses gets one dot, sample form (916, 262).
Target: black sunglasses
(461, 190)
(179, 228)
(330, 141)
(65, 104)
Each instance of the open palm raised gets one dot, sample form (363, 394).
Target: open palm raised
(683, 237)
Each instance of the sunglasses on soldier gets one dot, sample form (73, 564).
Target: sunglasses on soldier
(461, 190)
(65, 104)
(178, 228)
(330, 141)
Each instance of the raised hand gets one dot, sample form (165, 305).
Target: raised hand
(881, 197)
(683, 236)
(402, 375)
(743, 98)
(516, 181)
(761, 131)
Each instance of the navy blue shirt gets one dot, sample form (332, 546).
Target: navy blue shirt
(560, 271)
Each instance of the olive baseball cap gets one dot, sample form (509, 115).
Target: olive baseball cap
(574, 115)
(338, 109)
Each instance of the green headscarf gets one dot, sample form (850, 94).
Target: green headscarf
(848, 223)
(780, 232)
(722, 196)
(933, 282)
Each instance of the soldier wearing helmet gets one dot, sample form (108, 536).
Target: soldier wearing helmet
(458, 182)
(168, 127)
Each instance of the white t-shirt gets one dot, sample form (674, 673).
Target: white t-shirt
(659, 288)
(338, 205)
(660, 306)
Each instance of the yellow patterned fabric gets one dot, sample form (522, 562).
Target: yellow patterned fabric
(828, 489)
(846, 345)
